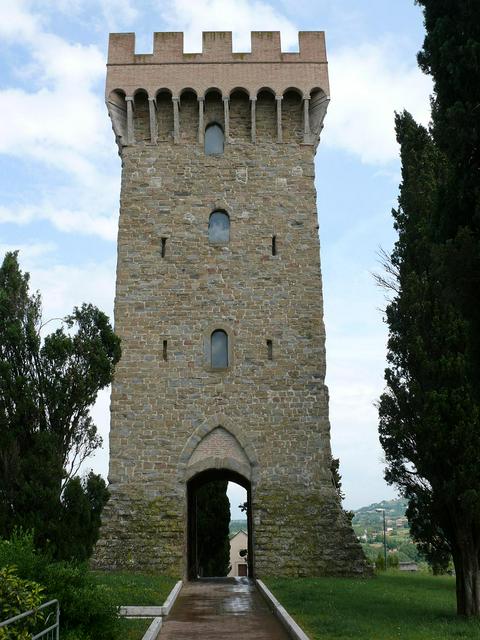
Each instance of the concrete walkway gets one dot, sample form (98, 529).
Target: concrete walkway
(221, 609)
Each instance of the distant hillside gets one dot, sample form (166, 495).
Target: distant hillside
(237, 525)
(368, 517)
(368, 526)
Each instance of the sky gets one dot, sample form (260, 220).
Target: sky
(60, 171)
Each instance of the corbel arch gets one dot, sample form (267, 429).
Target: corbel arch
(165, 124)
(266, 115)
(240, 115)
(317, 110)
(266, 90)
(240, 90)
(188, 115)
(141, 116)
(117, 110)
(213, 108)
(140, 91)
(296, 90)
(292, 115)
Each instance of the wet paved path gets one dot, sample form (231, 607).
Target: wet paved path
(221, 609)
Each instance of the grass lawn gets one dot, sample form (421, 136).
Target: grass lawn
(131, 588)
(390, 606)
(129, 629)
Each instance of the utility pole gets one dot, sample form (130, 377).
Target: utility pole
(384, 536)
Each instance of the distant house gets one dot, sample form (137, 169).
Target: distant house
(238, 564)
(408, 566)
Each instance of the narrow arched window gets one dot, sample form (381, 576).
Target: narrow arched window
(219, 349)
(219, 228)
(214, 139)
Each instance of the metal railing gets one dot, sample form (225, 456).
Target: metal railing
(51, 622)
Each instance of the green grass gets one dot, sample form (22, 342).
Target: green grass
(131, 588)
(129, 629)
(390, 606)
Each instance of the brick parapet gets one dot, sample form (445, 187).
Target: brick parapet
(169, 67)
(217, 47)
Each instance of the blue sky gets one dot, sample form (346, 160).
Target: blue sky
(59, 168)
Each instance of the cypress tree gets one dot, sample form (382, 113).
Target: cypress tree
(213, 520)
(430, 411)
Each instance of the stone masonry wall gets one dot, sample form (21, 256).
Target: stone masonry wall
(166, 397)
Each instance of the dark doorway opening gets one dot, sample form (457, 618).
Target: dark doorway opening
(197, 498)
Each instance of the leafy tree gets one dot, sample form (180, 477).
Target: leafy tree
(47, 386)
(213, 519)
(430, 412)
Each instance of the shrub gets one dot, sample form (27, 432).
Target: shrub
(87, 610)
(86, 606)
(17, 596)
(392, 561)
(20, 551)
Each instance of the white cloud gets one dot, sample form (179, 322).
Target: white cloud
(80, 220)
(355, 346)
(16, 21)
(30, 251)
(238, 16)
(118, 13)
(237, 495)
(355, 379)
(61, 124)
(100, 413)
(63, 286)
(109, 15)
(368, 84)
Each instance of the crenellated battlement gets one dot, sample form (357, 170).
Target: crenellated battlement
(150, 92)
(217, 47)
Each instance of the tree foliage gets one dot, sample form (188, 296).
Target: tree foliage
(47, 386)
(337, 484)
(88, 611)
(336, 477)
(430, 412)
(79, 522)
(213, 519)
(16, 597)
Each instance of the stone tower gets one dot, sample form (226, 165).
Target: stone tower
(219, 304)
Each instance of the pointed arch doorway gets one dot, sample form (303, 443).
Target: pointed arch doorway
(193, 486)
